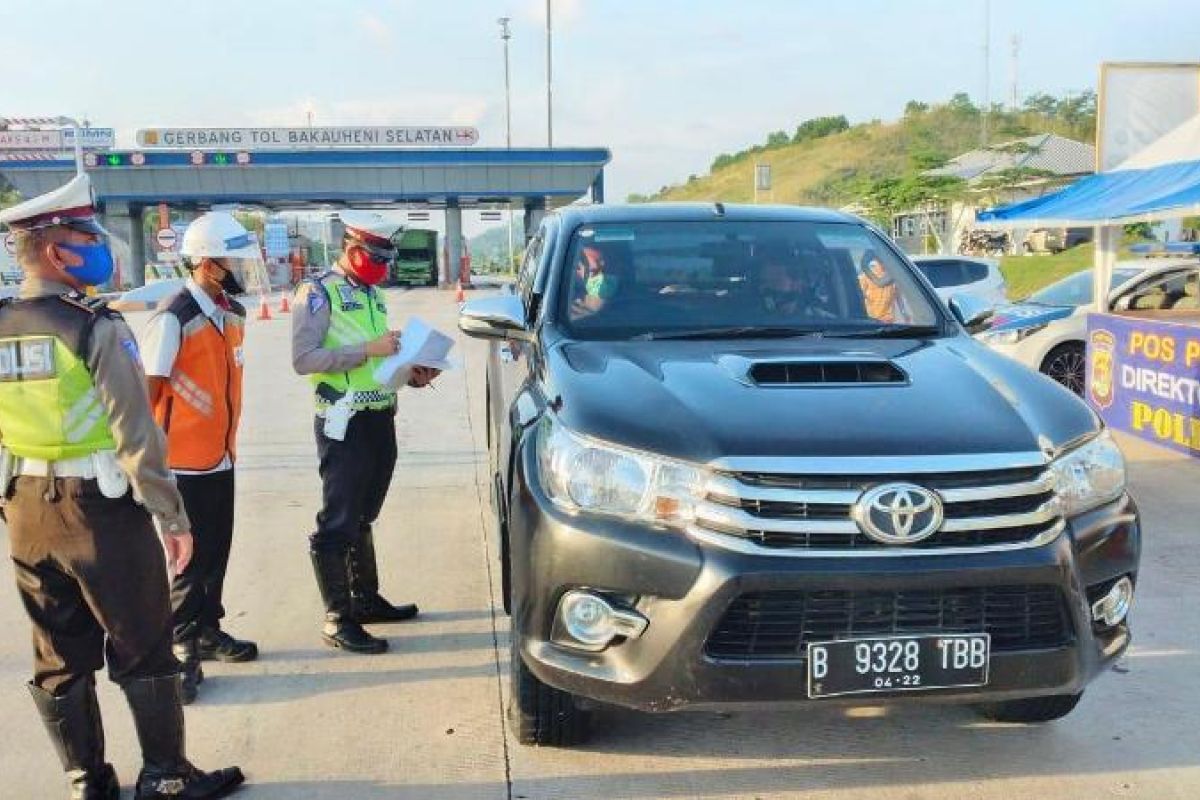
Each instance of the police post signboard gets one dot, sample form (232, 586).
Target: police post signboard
(1143, 376)
(304, 138)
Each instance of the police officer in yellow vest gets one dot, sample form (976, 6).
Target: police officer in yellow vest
(83, 468)
(339, 336)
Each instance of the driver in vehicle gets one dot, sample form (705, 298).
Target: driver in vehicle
(785, 291)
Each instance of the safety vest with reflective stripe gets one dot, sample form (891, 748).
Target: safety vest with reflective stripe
(357, 315)
(49, 408)
(202, 404)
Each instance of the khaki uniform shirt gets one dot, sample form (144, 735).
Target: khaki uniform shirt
(121, 386)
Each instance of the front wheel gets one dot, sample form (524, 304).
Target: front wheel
(1067, 365)
(1034, 709)
(541, 714)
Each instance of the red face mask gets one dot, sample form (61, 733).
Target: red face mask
(368, 267)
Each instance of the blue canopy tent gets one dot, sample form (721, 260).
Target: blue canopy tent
(1160, 182)
(1110, 198)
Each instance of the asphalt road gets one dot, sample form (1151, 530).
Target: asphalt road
(425, 721)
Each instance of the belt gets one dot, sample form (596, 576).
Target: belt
(82, 467)
(361, 401)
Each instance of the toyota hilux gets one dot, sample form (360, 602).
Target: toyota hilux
(745, 455)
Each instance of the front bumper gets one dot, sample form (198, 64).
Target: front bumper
(683, 588)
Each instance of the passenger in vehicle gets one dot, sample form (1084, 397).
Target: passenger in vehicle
(878, 288)
(596, 282)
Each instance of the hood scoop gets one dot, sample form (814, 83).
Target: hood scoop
(824, 371)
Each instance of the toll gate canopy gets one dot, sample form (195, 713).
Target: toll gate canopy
(126, 182)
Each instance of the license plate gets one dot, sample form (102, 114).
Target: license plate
(897, 664)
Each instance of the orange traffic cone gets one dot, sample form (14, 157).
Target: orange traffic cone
(284, 306)
(264, 311)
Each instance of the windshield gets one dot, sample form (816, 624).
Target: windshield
(1076, 290)
(658, 279)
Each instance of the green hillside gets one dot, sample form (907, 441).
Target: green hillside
(828, 162)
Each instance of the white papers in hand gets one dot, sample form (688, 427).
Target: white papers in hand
(420, 346)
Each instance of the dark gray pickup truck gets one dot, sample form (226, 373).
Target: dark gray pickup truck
(743, 454)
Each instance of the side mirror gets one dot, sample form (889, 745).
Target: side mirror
(498, 317)
(973, 312)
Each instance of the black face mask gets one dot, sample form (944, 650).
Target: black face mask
(230, 284)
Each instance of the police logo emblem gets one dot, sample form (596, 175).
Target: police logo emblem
(1101, 363)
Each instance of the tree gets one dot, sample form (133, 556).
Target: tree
(1041, 103)
(914, 107)
(777, 139)
(820, 127)
(961, 103)
(8, 195)
(723, 160)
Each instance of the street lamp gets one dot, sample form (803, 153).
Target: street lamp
(505, 35)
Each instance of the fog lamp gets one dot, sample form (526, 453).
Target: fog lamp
(589, 621)
(1113, 607)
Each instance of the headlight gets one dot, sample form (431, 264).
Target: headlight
(1011, 336)
(581, 474)
(1090, 476)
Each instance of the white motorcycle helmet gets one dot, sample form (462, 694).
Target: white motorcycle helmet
(218, 235)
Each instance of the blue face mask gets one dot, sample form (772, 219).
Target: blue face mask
(97, 266)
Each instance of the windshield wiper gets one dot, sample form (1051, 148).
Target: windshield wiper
(886, 332)
(733, 332)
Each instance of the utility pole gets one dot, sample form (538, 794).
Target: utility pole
(549, 81)
(1013, 98)
(987, 73)
(505, 35)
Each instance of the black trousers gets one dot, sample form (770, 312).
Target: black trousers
(355, 476)
(196, 592)
(92, 577)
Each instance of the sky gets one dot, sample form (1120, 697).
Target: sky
(666, 85)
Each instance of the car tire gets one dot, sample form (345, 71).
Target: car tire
(1067, 364)
(542, 715)
(1033, 709)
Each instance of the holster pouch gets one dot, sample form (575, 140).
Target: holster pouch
(110, 478)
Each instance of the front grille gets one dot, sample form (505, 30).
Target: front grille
(859, 541)
(779, 511)
(780, 624)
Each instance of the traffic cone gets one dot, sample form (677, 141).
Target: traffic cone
(264, 311)
(459, 296)
(284, 306)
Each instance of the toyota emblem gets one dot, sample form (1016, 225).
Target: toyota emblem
(898, 513)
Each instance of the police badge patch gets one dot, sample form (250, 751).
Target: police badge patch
(131, 348)
(316, 298)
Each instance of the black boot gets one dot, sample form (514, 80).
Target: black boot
(369, 605)
(192, 675)
(73, 722)
(166, 772)
(215, 644)
(341, 629)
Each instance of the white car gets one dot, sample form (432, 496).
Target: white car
(951, 275)
(1047, 330)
